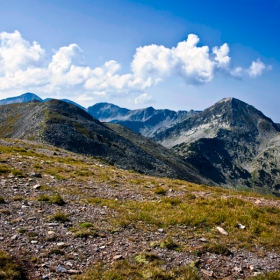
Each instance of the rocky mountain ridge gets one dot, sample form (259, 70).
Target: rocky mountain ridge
(231, 143)
(147, 121)
(65, 125)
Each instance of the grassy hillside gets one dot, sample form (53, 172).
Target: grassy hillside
(66, 215)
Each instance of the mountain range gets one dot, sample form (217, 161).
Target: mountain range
(230, 144)
(147, 121)
(67, 126)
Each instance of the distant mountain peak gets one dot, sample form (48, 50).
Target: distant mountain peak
(26, 97)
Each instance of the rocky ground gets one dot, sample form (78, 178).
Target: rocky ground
(53, 240)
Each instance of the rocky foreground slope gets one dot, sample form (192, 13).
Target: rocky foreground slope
(63, 215)
(231, 143)
(65, 125)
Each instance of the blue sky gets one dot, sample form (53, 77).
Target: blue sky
(175, 54)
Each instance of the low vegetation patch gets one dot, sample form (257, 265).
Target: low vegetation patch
(267, 276)
(167, 243)
(160, 191)
(59, 217)
(9, 269)
(138, 268)
(55, 199)
(4, 169)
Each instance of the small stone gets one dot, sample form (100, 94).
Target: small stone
(241, 226)
(14, 237)
(237, 269)
(60, 244)
(202, 239)
(207, 272)
(161, 230)
(72, 271)
(52, 224)
(51, 232)
(221, 230)
(252, 268)
(102, 247)
(117, 257)
(36, 175)
(37, 187)
(69, 264)
(34, 242)
(1, 238)
(61, 269)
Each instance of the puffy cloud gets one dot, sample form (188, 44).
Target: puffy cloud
(85, 97)
(23, 65)
(222, 55)
(143, 98)
(18, 54)
(186, 60)
(257, 68)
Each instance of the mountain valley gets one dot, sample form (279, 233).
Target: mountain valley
(231, 144)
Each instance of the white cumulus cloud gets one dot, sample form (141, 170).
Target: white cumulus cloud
(18, 54)
(257, 68)
(186, 60)
(24, 66)
(143, 98)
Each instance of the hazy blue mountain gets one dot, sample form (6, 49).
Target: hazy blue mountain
(26, 97)
(147, 121)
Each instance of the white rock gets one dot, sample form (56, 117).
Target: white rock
(37, 187)
(202, 239)
(221, 230)
(14, 237)
(241, 226)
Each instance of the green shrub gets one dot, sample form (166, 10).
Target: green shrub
(17, 198)
(4, 169)
(22, 230)
(57, 199)
(44, 197)
(267, 276)
(217, 248)
(160, 191)
(17, 173)
(86, 225)
(59, 217)
(9, 270)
